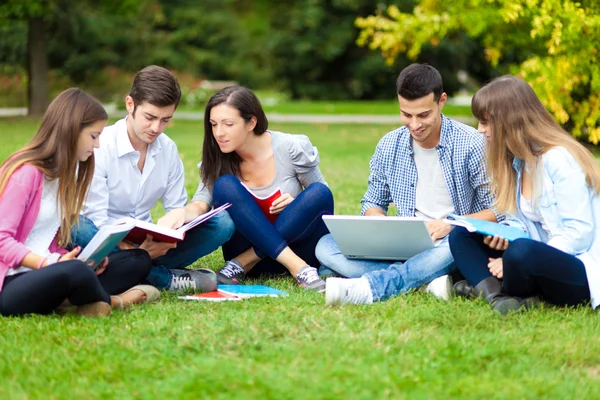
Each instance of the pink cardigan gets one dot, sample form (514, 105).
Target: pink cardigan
(19, 207)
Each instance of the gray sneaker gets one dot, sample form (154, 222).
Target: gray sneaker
(309, 278)
(231, 274)
(202, 280)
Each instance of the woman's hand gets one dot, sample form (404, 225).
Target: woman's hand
(496, 242)
(495, 266)
(72, 255)
(100, 268)
(280, 203)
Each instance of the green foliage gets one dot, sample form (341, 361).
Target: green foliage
(558, 42)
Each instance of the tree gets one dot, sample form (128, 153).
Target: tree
(556, 43)
(39, 15)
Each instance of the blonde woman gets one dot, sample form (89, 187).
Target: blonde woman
(42, 189)
(546, 183)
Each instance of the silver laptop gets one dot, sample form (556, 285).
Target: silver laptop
(379, 238)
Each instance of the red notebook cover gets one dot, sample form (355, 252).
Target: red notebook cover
(211, 296)
(265, 203)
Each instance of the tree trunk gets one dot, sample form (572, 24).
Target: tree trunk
(37, 67)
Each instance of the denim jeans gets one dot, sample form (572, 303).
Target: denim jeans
(529, 267)
(385, 278)
(198, 242)
(300, 225)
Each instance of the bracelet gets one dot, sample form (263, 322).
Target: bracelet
(53, 258)
(41, 264)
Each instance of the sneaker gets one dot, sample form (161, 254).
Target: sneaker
(341, 291)
(309, 278)
(202, 279)
(441, 287)
(231, 274)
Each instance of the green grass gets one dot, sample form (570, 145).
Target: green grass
(412, 346)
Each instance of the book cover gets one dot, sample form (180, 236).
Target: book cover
(264, 203)
(487, 228)
(211, 296)
(162, 234)
(104, 242)
(245, 291)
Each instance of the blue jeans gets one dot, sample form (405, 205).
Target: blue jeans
(299, 226)
(198, 242)
(529, 268)
(387, 279)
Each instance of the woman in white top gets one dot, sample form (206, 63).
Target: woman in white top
(42, 189)
(547, 184)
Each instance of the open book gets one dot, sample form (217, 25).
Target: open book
(103, 243)
(161, 234)
(487, 228)
(264, 203)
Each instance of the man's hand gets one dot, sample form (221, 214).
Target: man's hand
(173, 219)
(281, 203)
(495, 266)
(438, 229)
(156, 249)
(496, 242)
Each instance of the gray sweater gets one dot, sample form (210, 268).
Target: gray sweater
(297, 164)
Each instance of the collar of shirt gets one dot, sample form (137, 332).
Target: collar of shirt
(124, 145)
(445, 137)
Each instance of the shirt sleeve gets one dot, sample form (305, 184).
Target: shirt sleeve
(15, 200)
(96, 203)
(175, 194)
(479, 179)
(305, 158)
(202, 193)
(572, 197)
(378, 192)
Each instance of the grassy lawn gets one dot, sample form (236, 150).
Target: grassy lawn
(413, 346)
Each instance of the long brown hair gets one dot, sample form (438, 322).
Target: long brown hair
(215, 163)
(53, 151)
(521, 127)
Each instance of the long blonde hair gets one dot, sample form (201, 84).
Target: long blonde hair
(53, 151)
(521, 127)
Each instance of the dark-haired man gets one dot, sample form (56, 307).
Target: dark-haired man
(428, 168)
(137, 165)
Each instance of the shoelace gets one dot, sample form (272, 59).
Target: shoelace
(309, 275)
(230, 269)
(183, 282)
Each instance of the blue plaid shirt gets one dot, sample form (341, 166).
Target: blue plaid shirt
(393, 175)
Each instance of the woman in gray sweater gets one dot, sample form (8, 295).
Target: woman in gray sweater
(273, 182)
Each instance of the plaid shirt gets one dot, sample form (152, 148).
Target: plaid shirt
(393, 175)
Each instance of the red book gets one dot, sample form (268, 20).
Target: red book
(161, 234)
(211, 296)
(265, 203)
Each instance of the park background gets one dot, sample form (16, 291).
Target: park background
(322, 59)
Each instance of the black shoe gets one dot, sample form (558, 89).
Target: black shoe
(491, 290)
(463, 289)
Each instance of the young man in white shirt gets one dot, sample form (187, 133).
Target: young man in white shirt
(136, 165)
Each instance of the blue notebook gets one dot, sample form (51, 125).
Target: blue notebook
(251, 291)
(487, 228)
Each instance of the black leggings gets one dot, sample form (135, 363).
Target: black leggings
(530, 268)
(43, 290)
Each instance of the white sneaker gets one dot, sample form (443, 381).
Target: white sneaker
(339, 291)
(441, 287)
